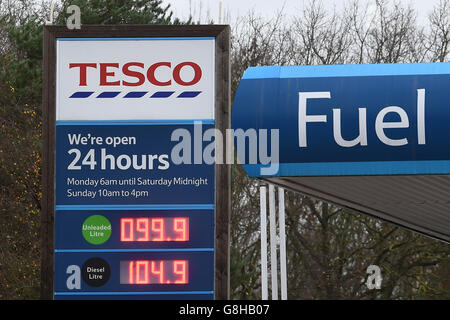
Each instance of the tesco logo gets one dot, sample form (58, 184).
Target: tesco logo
(133, 74)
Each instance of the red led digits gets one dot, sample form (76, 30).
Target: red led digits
(179, 226)
(158, 228)
(130, 272)
(154, 272)
(137, 272)
(126, 229)
(158, 271)
(142, 276)
(144, 229)
(179, 268)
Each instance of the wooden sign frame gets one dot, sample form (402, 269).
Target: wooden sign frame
(221, 33)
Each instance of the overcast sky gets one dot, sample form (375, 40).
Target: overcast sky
(234, 8)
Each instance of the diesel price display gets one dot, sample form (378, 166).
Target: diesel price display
(154, 272)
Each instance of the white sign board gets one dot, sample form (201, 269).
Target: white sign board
(114, 79)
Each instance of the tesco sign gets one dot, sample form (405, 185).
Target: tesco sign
(107, 72)
(147, 78)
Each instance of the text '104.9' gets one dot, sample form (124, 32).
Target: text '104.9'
(154, 272)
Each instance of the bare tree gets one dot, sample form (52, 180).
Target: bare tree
(439, 37)
(329, 248)
(321, 38)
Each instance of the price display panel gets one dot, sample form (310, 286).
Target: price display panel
(134, 229)
(141, 275)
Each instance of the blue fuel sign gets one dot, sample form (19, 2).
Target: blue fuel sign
(384, 119)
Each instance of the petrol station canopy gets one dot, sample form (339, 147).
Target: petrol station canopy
(372, 138)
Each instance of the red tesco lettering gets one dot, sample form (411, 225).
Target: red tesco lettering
(109, 71)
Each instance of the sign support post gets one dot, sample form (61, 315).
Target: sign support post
(281, 220)
(263, 222)
(273, 243)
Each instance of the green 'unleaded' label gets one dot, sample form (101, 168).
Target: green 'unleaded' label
(96, 229)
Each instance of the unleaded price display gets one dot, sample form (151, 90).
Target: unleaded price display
(154, 229)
